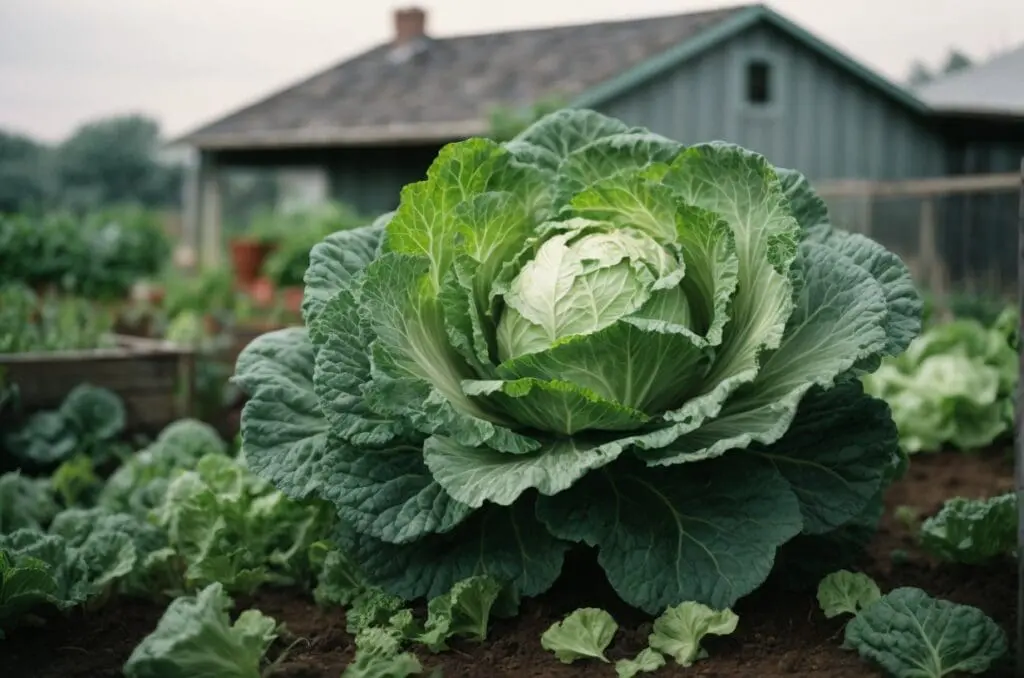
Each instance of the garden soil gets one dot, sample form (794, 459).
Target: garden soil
(780, 634)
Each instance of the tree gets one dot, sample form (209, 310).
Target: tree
(919, 75)
(115, 160)
(956, 61)
(26, 182)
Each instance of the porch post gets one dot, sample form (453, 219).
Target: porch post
(209, 228)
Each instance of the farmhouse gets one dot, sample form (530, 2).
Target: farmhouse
(745, 74)
(981, 110)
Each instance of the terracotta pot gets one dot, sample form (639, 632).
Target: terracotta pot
(293, 298)
(247, 257)
(212, 324)
(262, 291)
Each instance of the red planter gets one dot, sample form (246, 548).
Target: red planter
(293, 298)
(212, 325)
(262, 292)
(247, 257)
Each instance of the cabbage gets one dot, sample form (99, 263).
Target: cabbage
(589, 334)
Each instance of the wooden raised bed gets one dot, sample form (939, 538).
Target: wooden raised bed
(154, 378)
(244, 333)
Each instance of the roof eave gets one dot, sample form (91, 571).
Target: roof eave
(722, 31)
(974, 111)
(393, 134)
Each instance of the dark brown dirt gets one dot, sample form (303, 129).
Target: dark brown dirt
(781, 634)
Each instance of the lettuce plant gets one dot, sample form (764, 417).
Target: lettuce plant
(584, 634)
(954, 385)
(588, 334)
(973, 531)
(230, 527)
(195, 637)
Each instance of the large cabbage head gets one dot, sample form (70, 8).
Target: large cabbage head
(590, 334)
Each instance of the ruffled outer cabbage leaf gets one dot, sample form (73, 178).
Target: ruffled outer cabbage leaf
(589, 334)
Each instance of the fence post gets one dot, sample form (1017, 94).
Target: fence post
(867, 204)
(934, 267)
(1019, 431)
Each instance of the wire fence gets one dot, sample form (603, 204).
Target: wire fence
(958, 235)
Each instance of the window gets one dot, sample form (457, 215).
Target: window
(759, 83)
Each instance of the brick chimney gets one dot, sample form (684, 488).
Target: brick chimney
(410, 24)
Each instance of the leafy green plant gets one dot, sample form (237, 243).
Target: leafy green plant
(88, 422)
(99, 255)
(266, 227)
(78, 562)
(983, 308)
(680, 629)
(229, 526)
(212, 289)
(677, 633)
(25, 586)
(195, 637)
(845, 592)
(139, 548)
(646, 661)
(912, 635)
(29, 323)
(139, 484)
(908, 516)
(584, 634)
(287, 264)
(588, 311)
(381, 623)
(25, 502)
(46, 251)
(75, 481)
(211, 386)
(908, 633)
(954, 385)
(134, 243)
(377, 658)
(462, 612)
(973, 531)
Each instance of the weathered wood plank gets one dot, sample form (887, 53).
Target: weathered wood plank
(154, 378)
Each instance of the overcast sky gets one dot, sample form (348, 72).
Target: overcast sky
(185, 62)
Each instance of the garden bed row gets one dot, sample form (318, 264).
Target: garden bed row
(152, 377)
(155, 378)
(781, 633)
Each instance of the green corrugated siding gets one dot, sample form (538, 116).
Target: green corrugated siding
(828, 124)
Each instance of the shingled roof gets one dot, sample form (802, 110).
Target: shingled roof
(439, 89)
(995, 87)
(424, 89)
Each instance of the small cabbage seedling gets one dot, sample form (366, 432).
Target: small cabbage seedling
(584, 634)
(846, 592)
(912, 635)
(647, 661)
(679, 630)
